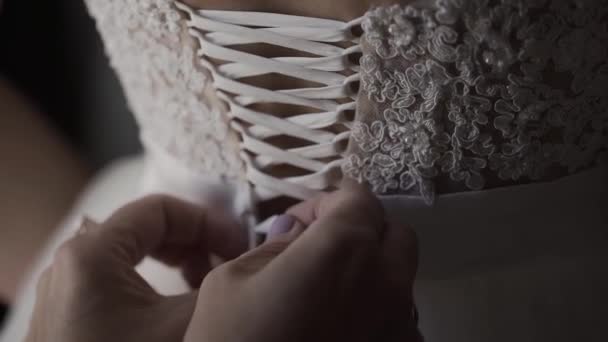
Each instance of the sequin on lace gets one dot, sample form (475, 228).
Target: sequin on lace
(478, 91)
(456, 95)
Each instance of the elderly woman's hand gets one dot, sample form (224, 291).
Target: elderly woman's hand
(340, 274)
(92, 292)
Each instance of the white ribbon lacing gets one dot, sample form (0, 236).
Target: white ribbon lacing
(217, 31)
(333, 66)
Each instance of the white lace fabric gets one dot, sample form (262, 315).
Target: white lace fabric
(470, 93)
(456, 95)
(148, 45)
(483, 93)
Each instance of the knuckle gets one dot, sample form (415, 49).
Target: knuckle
(367, 210)
(354, 230)
(356, 206)
(347, 241)
(359, 196)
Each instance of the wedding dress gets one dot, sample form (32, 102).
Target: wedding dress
(481, 123)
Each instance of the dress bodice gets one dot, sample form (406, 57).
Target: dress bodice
(454, 96)
(167, 90)
(480, 122)
(470, 95)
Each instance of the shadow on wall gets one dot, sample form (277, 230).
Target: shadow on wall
(51, 52)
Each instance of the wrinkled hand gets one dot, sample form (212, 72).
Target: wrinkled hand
(91, 292)
(339, 274)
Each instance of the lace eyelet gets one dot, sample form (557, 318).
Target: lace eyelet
(354, 87)
(349, 115)
(354, 58)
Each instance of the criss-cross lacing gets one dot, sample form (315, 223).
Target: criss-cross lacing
(332, 67)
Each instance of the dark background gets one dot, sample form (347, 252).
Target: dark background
(51, 52)
(2, 313)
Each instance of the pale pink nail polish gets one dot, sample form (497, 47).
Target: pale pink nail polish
(281, 225)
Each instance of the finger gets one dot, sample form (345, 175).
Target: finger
(169, 229)
(280, 226)
(352, 212)
(347, 228)
(332, 215)
(348, 183)
(256, 259)
(306, 211)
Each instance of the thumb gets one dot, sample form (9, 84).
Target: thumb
(284, 230)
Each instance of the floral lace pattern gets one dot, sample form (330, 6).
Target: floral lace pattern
(480, 91)
(170, 95)
(456, 95)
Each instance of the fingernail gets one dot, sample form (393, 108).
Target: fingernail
(281, 225)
